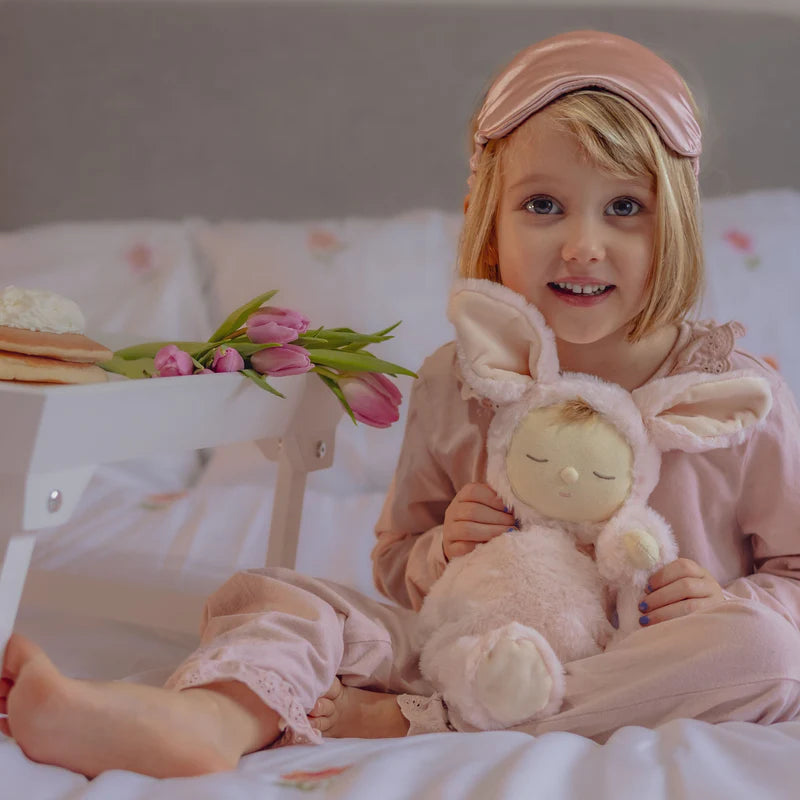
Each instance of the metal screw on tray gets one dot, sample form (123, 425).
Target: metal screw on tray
(54, 501)
(322, 448)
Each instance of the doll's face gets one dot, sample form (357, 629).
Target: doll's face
(571, 471)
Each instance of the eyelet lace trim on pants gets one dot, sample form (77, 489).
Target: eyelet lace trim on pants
(424, 714)
(273, 690)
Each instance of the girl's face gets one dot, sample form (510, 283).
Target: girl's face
(575, 241)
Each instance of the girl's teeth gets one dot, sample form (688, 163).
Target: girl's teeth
(576, 289)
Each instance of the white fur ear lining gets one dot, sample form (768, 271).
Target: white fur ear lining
(504, 343)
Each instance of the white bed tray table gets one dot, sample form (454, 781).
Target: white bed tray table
(53, 438)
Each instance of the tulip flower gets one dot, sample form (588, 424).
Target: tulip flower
(288, 359)
(373, 398)
(271, 325)
(226, 359)
(171, 361)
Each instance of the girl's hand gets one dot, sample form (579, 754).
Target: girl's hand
(678, 589)
(475, 515)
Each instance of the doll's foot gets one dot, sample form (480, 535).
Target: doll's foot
(90, 727)
(347, 711)
(641, 549)
(512, 680)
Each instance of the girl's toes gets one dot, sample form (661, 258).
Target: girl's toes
(5, 687)
(322, 708)
(4, 729)
(322, 724)
(335, 690)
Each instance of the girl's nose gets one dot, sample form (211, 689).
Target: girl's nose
(569, 475)
(583, 243)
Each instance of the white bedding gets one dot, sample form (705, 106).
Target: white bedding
(681, 760)
(190, 520)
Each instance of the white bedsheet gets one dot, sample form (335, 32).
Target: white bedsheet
(682, 759)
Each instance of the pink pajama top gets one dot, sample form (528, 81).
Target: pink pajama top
(735, 511)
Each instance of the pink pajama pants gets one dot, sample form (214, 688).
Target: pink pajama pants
(286, 637)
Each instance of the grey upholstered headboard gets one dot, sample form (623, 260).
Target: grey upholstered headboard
(164, 109)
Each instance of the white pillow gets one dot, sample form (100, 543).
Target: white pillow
(360, 273)
(137, 278)
(752, 248)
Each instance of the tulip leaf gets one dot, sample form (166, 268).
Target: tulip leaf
(130, 368)
(386, 330)
(259, 380)
(334, 387)
(149, 349)
(356, 362)
(236, 318)
(330, 340)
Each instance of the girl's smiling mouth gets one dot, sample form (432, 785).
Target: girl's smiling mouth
(581, 294)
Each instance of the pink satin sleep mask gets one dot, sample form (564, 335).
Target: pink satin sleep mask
(554, 67)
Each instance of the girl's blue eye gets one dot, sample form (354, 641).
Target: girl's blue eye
(624, 207)
(542, 205)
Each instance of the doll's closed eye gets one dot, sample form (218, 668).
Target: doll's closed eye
(605, 477)
(537, 460)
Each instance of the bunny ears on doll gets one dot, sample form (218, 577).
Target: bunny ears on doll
(507, 353)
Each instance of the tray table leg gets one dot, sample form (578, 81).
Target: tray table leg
(12, 579)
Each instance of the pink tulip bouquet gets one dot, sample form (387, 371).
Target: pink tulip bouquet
(261, 341)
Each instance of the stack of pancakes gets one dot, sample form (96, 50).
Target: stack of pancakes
(41, 357)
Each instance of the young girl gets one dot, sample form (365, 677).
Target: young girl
(583, 199)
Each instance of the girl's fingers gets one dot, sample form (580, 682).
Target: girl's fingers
(477, 512)
(480, 493)
(477, 532)
(675, 570)
(681, 589)
(674, 610)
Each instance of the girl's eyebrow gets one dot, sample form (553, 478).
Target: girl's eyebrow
(535, 177)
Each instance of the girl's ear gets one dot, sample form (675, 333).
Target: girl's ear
(697, 411)
(503, 341)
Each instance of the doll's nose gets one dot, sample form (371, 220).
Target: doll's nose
(569, 475)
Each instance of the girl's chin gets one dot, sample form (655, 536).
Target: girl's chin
(585, 335)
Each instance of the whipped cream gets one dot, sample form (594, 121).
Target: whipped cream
(37, 310)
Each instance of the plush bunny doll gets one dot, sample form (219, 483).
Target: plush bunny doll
(576, 458)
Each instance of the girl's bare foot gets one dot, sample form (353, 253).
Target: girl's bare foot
(345, 711)
(90, 727)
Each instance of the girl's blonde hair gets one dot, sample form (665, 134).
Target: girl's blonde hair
(620, 140)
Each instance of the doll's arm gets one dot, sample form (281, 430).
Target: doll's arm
(633, 545)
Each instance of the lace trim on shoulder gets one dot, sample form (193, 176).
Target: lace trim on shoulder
(267, 684)
(424, 714)
(709, 349)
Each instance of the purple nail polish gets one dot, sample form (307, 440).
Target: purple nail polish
(648, 588)
(644, 620)
(642, 606)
